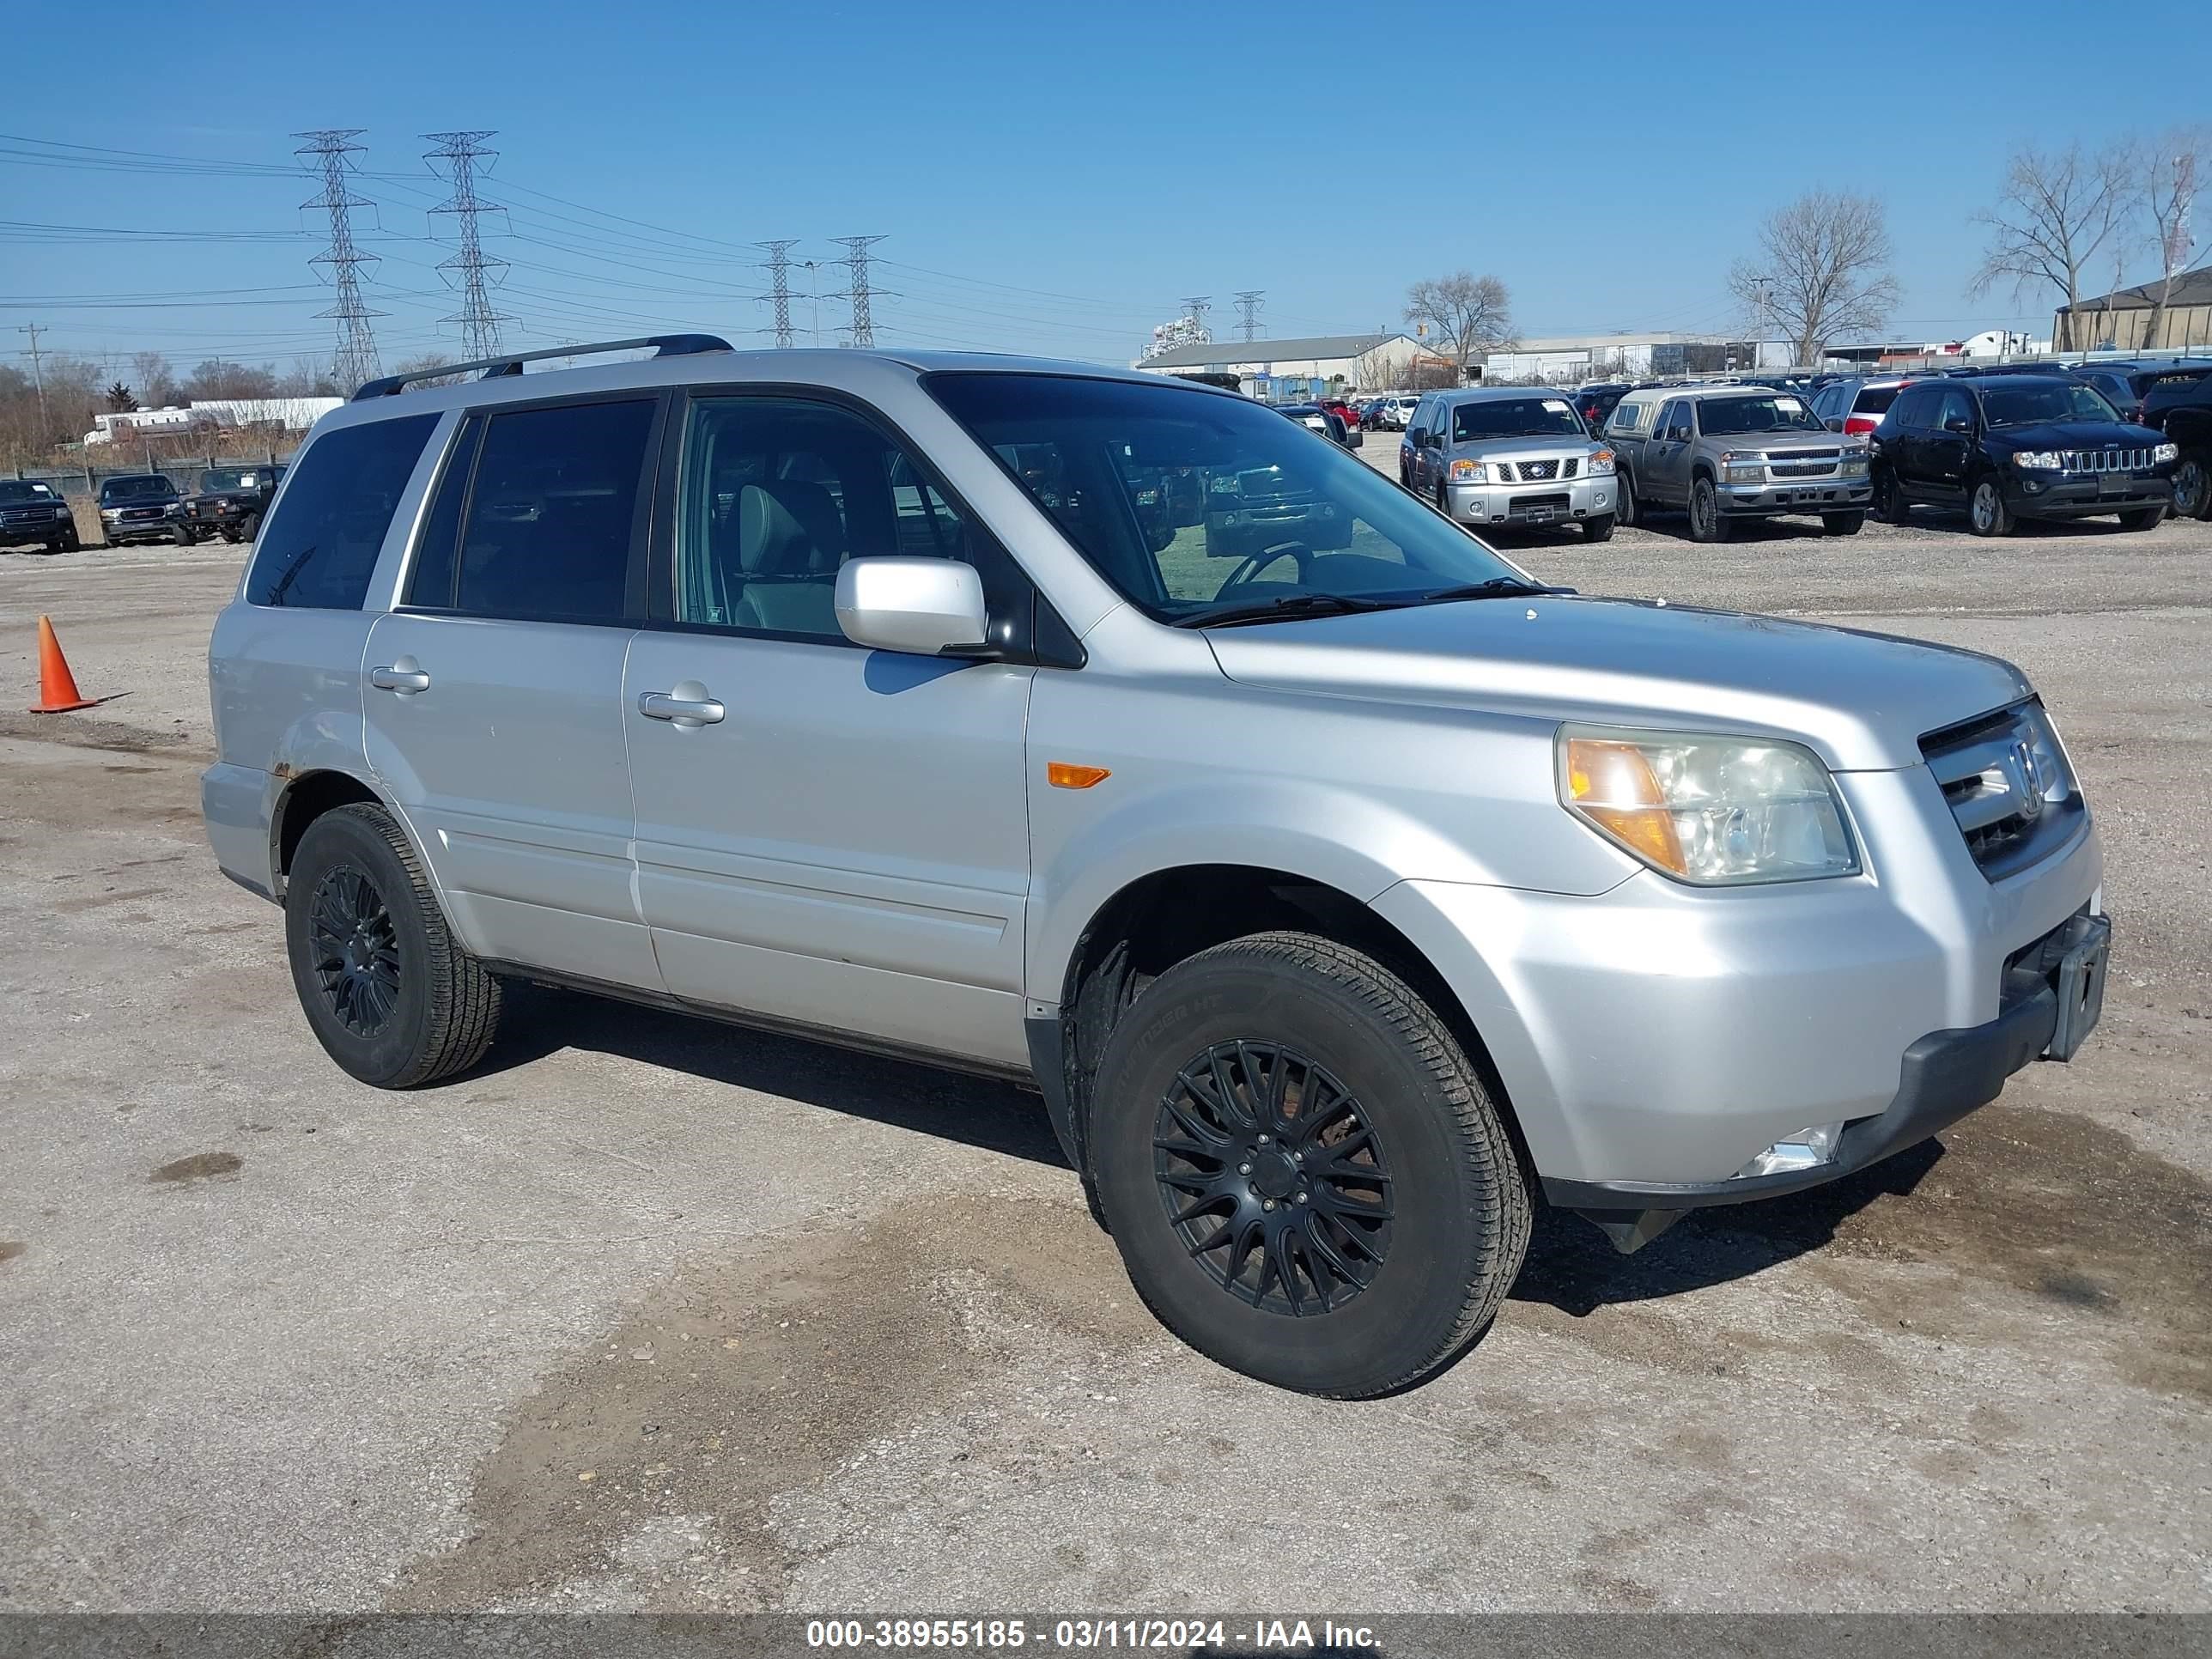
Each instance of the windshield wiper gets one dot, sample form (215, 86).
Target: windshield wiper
(1497, 588)
(1287, 606)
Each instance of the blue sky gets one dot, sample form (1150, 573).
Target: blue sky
(1046, 177)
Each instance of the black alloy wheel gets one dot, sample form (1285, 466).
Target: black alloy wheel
(1273, 1178)
(2192, 487)
(355, 951)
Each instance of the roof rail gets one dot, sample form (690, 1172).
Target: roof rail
(670, 346)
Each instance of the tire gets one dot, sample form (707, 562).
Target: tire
(1889, 506)
(182, 537)
(1842, 524)
(432, 1008)
(1443, 502)
(2192, 485)
(1405, 477)
(1268, 1014)
(2148, 518)
(1707, 522)
(1986, 511)
(1625, 508)
(230, 535)
(71, 541)
(248, 527)
(1599, 529)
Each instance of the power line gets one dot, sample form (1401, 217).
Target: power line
(779, 272)
(856, 263)
(461, 152)
(355, 360)
(38, 371)
(1249, 301)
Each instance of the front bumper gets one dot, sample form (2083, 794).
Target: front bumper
(2057, 495)
(22, 532)
(1840, 492)
(116, 531)
(1563, 501)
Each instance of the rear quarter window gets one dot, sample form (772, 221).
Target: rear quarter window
(320, 547)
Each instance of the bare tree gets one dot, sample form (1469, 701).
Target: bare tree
(2164, 175)
(1822, 270)
(155, 380)
(2056, 210)
(1465, 314)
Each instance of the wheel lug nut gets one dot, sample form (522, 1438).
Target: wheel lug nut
(1266, 1203)
(1263, 1140)
(1243, 1168)
(1302, 1198)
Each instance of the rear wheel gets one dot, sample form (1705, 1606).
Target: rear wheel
(1302, 1169)
(1707, 522)
(2147, 518)
(2192, 485)
(393, 998)
(1599, 529)
(1842, 524)
(1888, 500)
(1986, 511)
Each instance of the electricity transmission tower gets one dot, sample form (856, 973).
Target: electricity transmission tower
(1249, 301)
(1195, 307)
(779, 270)
(355, 361)
(37, 373)
(856, 262)
(462, 152)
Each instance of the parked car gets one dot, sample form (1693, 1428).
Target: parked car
(230, 502)
(1398, 413)
(2126, 385)
(2008, 447)
(1327, 422)
(1727, 453)
(1854, 404)
(1342, 905)
(32, 511)
(2178, 407)
(1509, 455)
(140, 506)
(1595, 403)
(1986, 370)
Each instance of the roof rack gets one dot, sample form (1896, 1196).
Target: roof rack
(670, 346)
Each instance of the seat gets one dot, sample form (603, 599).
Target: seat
(790, 540)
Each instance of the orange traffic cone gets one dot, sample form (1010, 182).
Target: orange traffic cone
(58, 692)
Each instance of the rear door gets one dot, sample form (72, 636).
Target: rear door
(494, 694)
(826, 834)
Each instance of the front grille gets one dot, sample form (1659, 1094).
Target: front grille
(142, 512)
(1569, 467)
(1539, 471)
(2008, 787)
(2105, 461)
(1803, 470)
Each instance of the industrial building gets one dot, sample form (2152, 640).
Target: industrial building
(1629, 357)
(2121, 320)
(1287, 370)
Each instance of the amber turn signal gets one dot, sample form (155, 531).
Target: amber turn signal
(1612, 786)
(1066, 774)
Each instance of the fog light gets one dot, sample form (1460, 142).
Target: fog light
(1807, 1148)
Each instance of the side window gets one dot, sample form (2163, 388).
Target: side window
(1627, 419)
(1917, 408)
(552, 514)
(1957, 406)
(1420, 420)
(430, 576)
(1673, 421)
(775, 494)
(319, 546)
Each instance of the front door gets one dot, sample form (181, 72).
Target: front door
(1666, 474)
(494, 694)
(1946, 447)
(826, 834)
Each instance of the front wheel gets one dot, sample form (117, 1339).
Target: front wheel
(1986, 511)
(182, 537)
(1707, 522)
(1599, 529)
(2148, 518)
(1626, 511)
(2192, 485)
(1888, 500)
(388, 992)
(1842, 524)
(1302, 1169)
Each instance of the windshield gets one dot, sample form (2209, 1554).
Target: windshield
(1779, 411)
(1514, 418)
(125, 488)
(1187, 500)
(2045, 400)
(232, 477)
(11, 490)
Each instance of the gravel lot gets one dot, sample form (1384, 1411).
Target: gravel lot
(649, 1313)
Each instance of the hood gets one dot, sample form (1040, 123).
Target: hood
(2077, 434)
(1539, 443)
(1782, 443)
(1861, 701)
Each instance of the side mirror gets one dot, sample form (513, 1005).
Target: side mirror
(1960, 423)
(1835, 423)
(921, 606)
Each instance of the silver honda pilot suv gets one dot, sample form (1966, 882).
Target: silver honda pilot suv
(1344, 889)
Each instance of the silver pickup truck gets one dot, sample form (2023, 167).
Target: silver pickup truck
(1509, 457)
(1345, 890)
(1725, 454)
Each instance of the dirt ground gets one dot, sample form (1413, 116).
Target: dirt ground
(651, 1313)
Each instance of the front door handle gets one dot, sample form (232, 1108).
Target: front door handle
(688, 706)
(403, 677)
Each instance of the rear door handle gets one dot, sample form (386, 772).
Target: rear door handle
(688, 706)
(402, 676)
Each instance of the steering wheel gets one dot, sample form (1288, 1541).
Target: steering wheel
(1249, 569)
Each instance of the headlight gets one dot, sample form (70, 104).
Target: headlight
(1716, 810)
(1853, 465)
(1744, 471)
(1601, 461)
(110, 512)
(1470, 472)
(2037, 461)
(2167, 453)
